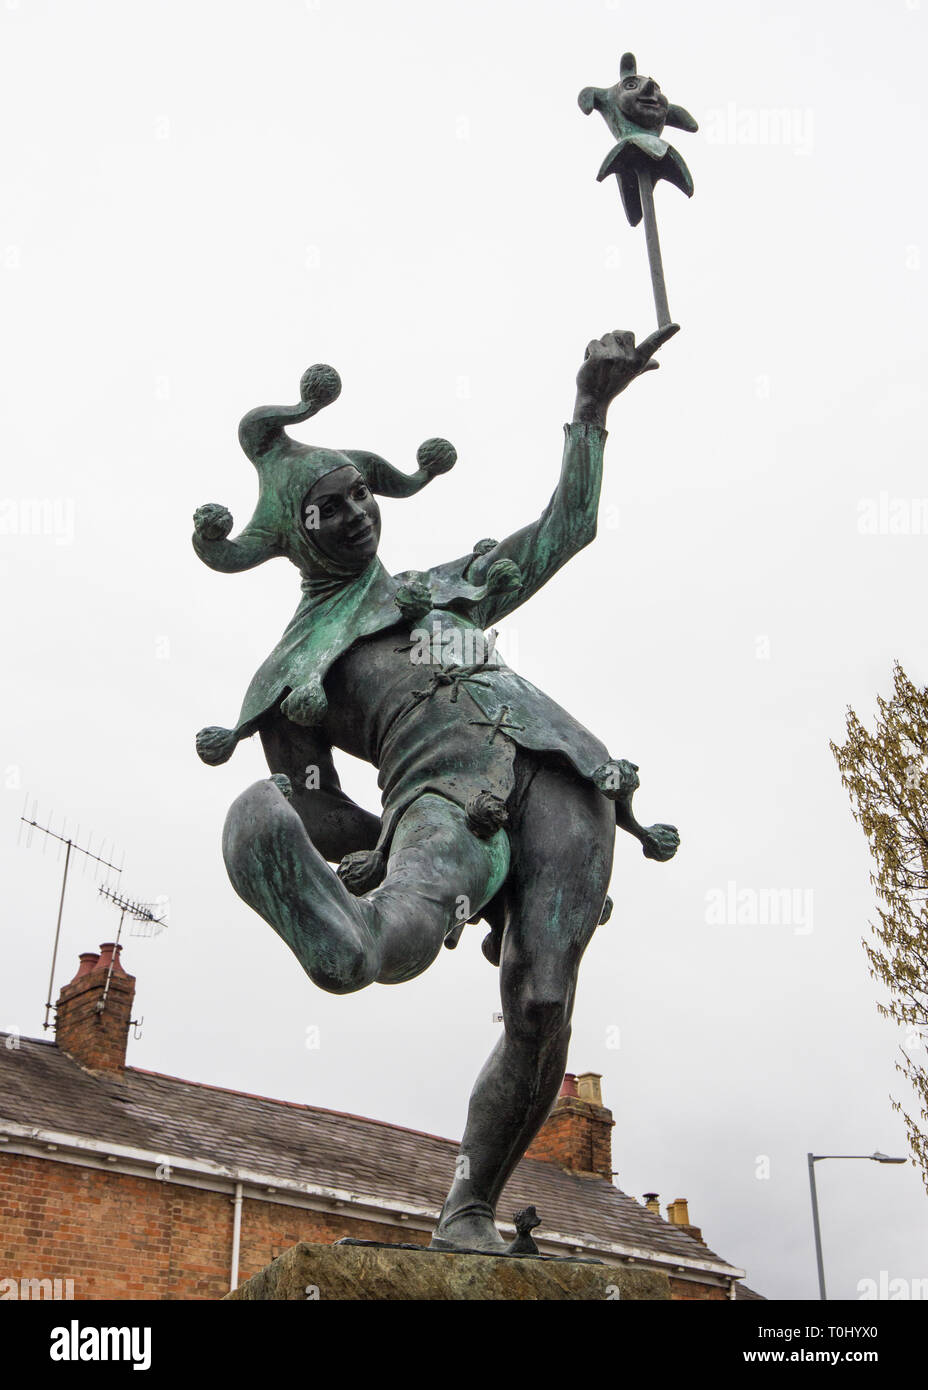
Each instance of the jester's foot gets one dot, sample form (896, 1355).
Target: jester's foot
(470, 1227)
(275, 868)
(660, 842)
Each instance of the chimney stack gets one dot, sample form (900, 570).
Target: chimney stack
(577, 1135)
(678, 1214)
(94, 1011)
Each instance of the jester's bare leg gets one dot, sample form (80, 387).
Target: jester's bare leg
(343, 942)
(562, 840)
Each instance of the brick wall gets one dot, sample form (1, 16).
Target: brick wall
(269, 1229)
(685, 1292)
(124, 1237)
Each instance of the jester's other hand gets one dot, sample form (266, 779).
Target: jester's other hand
(212, 521)
(609, 364)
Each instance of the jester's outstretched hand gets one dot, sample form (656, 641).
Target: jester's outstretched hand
(610, 364)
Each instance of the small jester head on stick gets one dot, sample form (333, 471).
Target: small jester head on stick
(636, 111)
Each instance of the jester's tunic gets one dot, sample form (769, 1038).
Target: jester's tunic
(440, 726)
(427, 735)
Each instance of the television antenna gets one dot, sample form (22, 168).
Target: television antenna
(71, 846)
(139, 912)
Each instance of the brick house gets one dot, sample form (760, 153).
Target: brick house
(136, 1185)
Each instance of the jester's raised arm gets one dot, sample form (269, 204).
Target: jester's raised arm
(568, 523)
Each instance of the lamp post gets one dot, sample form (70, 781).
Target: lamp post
(876, 1157)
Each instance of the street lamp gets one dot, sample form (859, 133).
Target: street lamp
(876, 1157)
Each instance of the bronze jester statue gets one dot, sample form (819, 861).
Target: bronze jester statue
(496, 803)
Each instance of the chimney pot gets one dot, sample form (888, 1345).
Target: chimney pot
(88, 962)
(568, 1085)
(590, 1087)
(109, 951)
(652, 1202)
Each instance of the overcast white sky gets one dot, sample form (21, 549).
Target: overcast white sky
(202, 199)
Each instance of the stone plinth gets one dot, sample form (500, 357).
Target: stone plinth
(386, 1273)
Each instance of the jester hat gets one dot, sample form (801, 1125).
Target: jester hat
(287, 470)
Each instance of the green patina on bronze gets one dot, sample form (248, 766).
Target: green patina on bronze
(287, 471)
(636, 111)
(497, 804)
(462, 597)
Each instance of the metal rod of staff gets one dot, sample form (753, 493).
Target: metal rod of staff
(652, 240)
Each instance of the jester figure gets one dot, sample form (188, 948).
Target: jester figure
(497, 805)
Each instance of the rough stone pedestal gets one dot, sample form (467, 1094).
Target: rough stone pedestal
(386, 1273)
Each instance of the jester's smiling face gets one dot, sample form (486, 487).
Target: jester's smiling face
(343, 518)
(641, 100)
